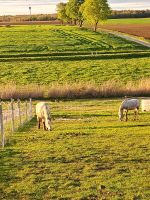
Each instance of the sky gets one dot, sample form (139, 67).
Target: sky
(17, 7)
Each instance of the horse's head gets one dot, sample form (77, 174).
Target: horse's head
(48, 124)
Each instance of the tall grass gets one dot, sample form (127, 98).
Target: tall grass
(107, 89)
(76, 90)
(14, 91)
(84, 90)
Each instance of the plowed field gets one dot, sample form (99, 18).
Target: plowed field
(141, 30)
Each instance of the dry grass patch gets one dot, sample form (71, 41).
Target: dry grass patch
(108, 89)
(79, 90)
(14, 91)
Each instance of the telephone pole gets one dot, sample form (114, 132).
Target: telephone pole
(30, 10)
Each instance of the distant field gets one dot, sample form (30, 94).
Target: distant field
(88, 155)
(128, 21)
(132, 29)
(136, 26)
(46, 54)
(46, 39)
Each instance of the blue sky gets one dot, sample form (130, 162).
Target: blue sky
(14, 7)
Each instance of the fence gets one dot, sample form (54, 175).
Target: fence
(13, 114)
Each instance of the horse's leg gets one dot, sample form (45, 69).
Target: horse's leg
(137, 113)
(134, 115)
(126, 115)
(44, 127)
(38, 123)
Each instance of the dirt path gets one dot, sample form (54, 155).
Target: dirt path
(144, 43)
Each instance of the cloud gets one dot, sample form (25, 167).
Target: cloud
(130, 4)
(14, 7)
(27, 2)
(49, 6)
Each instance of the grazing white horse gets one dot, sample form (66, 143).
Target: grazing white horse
(43, 115)
(129, 104)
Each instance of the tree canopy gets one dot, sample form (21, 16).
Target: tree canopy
(95, 11)
(61, 12)
(73, 10)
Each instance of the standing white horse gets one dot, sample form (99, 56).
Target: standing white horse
(43, 115)
(129, 104)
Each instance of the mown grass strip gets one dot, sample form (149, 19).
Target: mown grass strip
(79, 57)
(71, 53)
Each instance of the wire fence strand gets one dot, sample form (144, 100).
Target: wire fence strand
(13, 114)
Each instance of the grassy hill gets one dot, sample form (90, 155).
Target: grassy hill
(88, 148)
(45, 54)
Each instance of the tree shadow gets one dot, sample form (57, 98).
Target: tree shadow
(27, 125)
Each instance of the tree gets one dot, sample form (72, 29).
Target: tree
(61, 12)
(73, 11)
(95, 11)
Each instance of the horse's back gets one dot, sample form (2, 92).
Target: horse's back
(40, 107)
(131, 104)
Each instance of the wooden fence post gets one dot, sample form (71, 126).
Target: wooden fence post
(19, 111)
(26, 109)
(30, 108)
(2, 126)
(12, 115)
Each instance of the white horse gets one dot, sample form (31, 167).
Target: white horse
(43, 115)
(129, 104)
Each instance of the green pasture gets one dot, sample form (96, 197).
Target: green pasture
(48, 38)
(129, 21)
(45, 54)
(93, 70)
(89, 154)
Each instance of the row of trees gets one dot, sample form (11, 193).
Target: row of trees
(77, 11)
(20, 18)
(129, 14)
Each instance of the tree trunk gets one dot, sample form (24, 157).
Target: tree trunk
(95, 27)
(80, 23)
(75, 22)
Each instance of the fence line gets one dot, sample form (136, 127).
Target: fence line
(13, 114)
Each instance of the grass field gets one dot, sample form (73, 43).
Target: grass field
(42, 39)
(93, 70)
(89, 154)
(47, 54)
(129, 21)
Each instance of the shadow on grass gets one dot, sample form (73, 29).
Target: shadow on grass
(129, 126)
(71, 116)
(7, 170)
(27, 125)
(122, 126)
(11, 160)
(113, 127)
